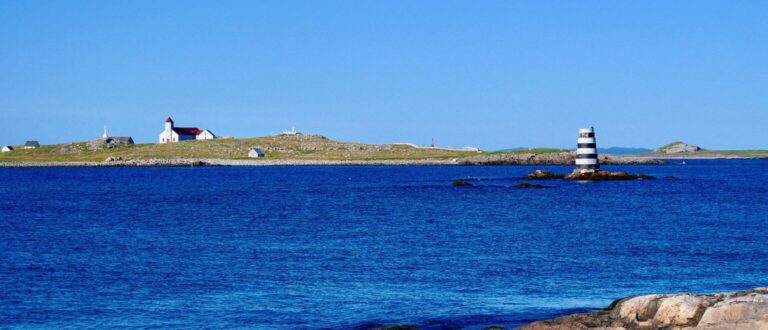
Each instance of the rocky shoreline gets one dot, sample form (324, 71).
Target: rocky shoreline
(731, 310)
(555, 158)
(563, 158)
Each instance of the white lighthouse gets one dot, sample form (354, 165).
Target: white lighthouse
(586, 151)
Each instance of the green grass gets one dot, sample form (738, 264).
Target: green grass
(529, 151)
(275, 147)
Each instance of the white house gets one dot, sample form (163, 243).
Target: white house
(7, 149)
(291, 132)
(172, 134)
(256, 153)
(206, 135)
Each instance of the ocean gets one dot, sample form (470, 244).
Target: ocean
(364, 246)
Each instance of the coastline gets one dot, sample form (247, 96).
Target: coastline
(213, 162)
(746, 309)
(501, 159)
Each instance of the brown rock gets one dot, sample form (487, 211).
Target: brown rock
(732, 310)
(606, 176)
(529, 185)
(543, 175)
(460, 183)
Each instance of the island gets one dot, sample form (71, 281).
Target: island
(683, 150)
(284, 149)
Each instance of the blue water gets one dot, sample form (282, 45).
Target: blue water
(357, 247)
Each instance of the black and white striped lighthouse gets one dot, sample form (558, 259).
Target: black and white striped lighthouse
(586, 151)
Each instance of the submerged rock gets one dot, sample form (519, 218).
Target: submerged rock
(460, 183)
(543, 175)
(530, 185)
(606, 176)
(732, 310)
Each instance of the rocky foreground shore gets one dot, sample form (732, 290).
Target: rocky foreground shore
(562, 158)
(732, 310)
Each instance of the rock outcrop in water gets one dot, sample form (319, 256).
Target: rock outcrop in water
(543, 175)
(606, 176)
(552, 158)
(460, 183)
(530, 185)
(578, 176)
(733, 310)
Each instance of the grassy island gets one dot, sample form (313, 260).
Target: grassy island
(275, 147)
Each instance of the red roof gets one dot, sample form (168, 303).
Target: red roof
(169, 120)
(187, 130)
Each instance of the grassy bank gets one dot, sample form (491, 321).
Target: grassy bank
(275, 147)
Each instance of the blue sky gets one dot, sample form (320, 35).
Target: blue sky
(492, 74)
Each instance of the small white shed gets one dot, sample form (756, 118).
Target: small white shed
(256, 153)
(205, 135)
(7, 149)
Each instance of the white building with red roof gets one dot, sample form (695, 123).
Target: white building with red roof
(173, 134)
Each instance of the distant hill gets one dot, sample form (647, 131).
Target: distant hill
(677, 147)
(622, 151)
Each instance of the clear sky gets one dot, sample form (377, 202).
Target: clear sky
(491, 74)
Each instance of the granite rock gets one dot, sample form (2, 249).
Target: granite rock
(740, 310)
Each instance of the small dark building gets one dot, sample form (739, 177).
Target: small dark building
(31, 144)
(120, 140)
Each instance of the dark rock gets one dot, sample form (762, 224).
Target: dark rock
(529, 185)
(460, 183)
(606, 176)
(543, 175)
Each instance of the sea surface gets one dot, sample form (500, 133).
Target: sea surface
(358, 247)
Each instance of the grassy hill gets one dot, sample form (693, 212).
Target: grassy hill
(712, 154)
(661, 152)
(275, 147)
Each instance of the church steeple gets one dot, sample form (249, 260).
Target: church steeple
(169, 124)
